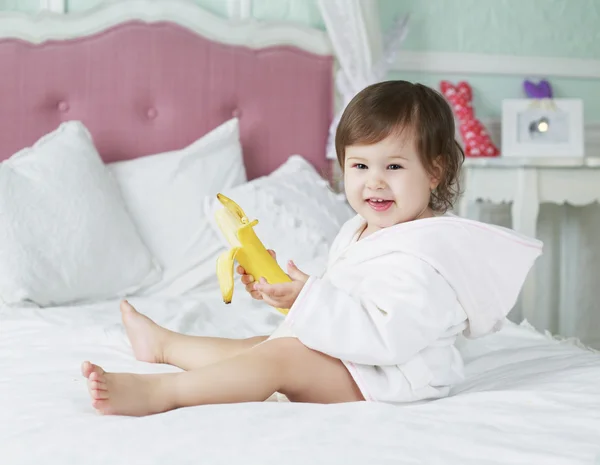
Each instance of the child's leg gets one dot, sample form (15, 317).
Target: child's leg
(155, 344)
(281, 365)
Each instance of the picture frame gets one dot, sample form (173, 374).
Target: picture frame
(542, 128)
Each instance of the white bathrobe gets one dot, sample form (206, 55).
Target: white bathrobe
(391, 305)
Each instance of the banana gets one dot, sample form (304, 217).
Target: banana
(246, 248)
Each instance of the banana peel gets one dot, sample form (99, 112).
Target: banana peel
(246, 249)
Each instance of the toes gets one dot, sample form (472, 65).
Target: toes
(98, 394)
(97, 377)
(126, 307)
(98, 370)
(98, 385)
(98, 391)
(86, 369)
(102, 405)
(92, 372)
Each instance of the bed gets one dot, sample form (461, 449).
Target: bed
(119, 126)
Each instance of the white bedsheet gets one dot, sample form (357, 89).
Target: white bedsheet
(527, 400)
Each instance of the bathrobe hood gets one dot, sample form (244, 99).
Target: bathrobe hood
(485, 265)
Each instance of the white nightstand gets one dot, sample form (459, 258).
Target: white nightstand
(527, 183)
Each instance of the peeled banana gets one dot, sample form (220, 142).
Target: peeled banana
(246, 248)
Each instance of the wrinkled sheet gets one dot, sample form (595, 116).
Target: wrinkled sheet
(527, 399)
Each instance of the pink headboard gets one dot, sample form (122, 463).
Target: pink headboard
(144, 88)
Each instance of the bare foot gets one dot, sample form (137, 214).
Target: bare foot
(145, 335)
(125, 393)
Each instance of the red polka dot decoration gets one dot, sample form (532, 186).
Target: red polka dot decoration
(476, 141)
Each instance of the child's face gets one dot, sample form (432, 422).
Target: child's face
(386, 182)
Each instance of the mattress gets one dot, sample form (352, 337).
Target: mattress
(527, 398)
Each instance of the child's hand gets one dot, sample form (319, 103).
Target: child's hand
(282, 295)
(248, 280)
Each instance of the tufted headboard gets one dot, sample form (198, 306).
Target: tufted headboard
(149, 76)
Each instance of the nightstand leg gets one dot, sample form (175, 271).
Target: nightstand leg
(525, 211)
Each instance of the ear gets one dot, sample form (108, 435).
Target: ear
(437, 172)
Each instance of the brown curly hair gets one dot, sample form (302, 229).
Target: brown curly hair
(388, 107)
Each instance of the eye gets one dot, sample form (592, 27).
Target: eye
(394, 167)
(360, 166)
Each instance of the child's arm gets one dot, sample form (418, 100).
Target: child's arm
(394, 315)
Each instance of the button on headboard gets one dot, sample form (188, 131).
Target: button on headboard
(148, 87)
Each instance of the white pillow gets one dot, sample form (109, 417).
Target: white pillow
(65, 234)
(298, 213)
(164, 194)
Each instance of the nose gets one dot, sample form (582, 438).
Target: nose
(375, 180)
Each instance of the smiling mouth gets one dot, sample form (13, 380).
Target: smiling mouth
(379, 204)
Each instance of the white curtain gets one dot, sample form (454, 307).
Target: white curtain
(363, 54)
(567, 274)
